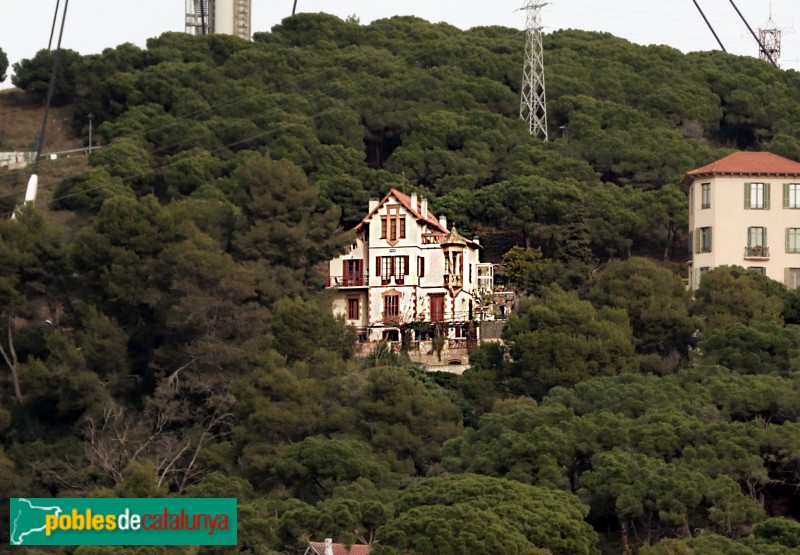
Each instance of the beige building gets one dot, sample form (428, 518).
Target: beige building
(744, 210)
(407, 266)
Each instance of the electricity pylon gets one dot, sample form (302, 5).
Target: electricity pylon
(770, 43)
(533, 103)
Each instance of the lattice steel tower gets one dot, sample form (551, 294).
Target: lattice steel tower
(228, 17)
(770, 37)
(533, 104)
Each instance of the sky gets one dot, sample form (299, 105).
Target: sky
(92, 25)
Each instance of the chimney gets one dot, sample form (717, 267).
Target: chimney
(373, 204)
(424, 207)
(328, 546)
(476, 240)
(414, 202)
(443, 221)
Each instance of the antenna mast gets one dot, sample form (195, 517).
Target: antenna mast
(770, 41)
(533, 105)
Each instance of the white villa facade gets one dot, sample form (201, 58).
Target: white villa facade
(407, 266)
(744, 210)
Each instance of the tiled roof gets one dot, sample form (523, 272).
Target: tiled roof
(454, 238)
(748, 163)
(405, 200)
(341, 549)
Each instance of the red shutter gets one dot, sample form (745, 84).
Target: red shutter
(378, 266)
(405, 265)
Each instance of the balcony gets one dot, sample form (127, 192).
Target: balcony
(756, 252)
(453, 280)
(347, 281)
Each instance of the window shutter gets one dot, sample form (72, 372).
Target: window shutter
(747, 195)
(405, 265)
(766, 202)
(787, 240)
(421, 266)
(698, 240)
(378, 266)
(691, 243)
(786, 275)
(710, 240)
(764, 238)
(786, 195)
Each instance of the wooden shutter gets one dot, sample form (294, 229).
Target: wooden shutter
(405, 265)
(787, 240)
(766, 203)
(378, 266)
(786, 195)
(747, 195)
(691, 243)
(698, 238)
(710, 241)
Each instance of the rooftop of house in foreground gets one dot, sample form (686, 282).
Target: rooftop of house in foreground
(318, 548)
(748, 163)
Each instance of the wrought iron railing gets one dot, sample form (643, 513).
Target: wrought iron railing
(756, 251)
(347, 281)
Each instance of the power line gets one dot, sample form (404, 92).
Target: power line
(709, 25)
(760, 44)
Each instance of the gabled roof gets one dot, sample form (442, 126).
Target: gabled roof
(748, 163)
(431, 221)
(338, 549)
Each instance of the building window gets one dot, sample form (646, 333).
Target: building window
(353, 272)
(705, 195)
(791, 195)
(353, 309)
(421, 266)
(437, 307)
(793, 239)
(757, 241)
(756, 196)
(391, 306)
(792, 278)
(389, 267)
(761, 270)
(703, 238)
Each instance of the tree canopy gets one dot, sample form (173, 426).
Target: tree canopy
(164, 330)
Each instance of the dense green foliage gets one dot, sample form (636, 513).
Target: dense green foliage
(3, 65)
(179, 343)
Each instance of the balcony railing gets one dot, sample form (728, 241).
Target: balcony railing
(756, 251)
(347, 281)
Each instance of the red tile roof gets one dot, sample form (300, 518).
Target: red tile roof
(431, 221)
(405, 200)
(748, 163)
(341, 549)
